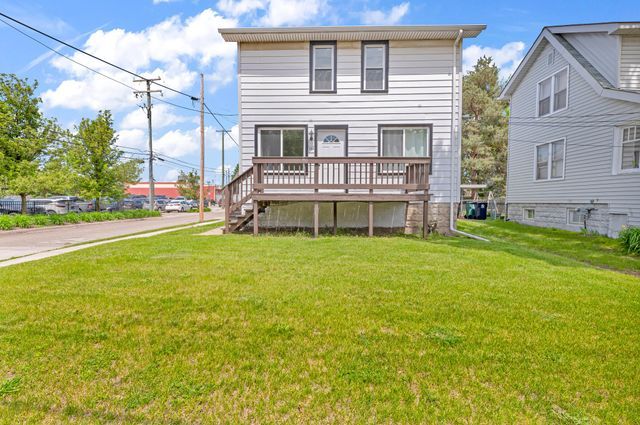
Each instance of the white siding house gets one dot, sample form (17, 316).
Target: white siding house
(574, 133)
(371, 91)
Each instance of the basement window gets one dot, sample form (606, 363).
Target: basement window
(528, 214)
(574, 216)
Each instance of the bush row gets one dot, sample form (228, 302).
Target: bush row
(630, 240)
(9, 222)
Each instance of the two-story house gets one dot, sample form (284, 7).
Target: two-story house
(574, 132)
(349, 127)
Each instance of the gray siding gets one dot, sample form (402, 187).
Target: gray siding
(600, 49)
(589, 145)
(274, 89)
(630, 63)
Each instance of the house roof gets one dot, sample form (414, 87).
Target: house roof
(554, 36)
(351, 33)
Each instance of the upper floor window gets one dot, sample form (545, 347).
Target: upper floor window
(630, 148)
(323, 66)
(553, 93)
(550, 160)
(375, 64)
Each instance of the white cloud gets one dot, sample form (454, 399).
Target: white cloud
(237, 8)
(134, 138)
(168, 49)
(379, 17)
(507, 57)
(171, 175)
(163, 1)
(291, 12)
(162, 117)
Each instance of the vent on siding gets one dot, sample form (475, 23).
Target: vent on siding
(551, 57)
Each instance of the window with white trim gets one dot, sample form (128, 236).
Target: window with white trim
(282, 142)
(549, 161)
(399, 141)
(323, 72)
(553, 93)
(528, 214)
(374, 66)
(574, 216)
(630, 148)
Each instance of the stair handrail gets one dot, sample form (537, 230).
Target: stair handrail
(242, 185)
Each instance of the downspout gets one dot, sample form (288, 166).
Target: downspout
(456, 143)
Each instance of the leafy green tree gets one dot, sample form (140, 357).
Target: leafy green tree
(98, 166)
(188, 185)
(484, 130)
(26, 139)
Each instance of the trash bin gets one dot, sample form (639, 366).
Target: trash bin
(481, 210)
(470, 210)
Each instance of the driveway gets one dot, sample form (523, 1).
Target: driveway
(16, 243)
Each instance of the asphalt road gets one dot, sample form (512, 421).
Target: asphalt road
(16, 243)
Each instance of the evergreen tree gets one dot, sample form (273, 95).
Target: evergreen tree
(485, 128)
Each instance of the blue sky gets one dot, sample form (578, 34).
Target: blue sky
(177, 39)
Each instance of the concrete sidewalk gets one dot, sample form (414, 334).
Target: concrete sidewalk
(21, 242)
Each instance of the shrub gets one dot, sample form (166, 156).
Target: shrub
(40, 220)
(7, 223)
(630, 240)
(23, 221)
(55, 219)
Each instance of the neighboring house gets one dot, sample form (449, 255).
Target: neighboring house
(574, 132)
(357, 116)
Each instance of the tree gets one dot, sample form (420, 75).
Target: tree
(98, 167)
(26, 138)
(188, 185)
(236, 170)
(484, 130)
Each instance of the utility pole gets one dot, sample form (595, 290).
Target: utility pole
(222, 132)
(201, 148)
(148, 109)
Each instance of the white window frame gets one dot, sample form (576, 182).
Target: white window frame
(618, 149)
(384, 67)
(313, 67)
(549, 161)
(404, 143)
(570, 212)
(525, 215)
(282, 130)
(553, 90)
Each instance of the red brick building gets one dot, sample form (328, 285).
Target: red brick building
(168, 189)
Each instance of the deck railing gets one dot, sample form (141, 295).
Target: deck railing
(237, 193)
(347, 174)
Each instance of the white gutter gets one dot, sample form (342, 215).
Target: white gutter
(452, 222)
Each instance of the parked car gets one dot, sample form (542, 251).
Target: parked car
(194, 204)
(83, 206)
(178, 206)
(159, 204)
(133, 203)
(55, 206)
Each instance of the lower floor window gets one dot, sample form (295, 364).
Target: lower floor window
(282, 142)
(550, 160)
(631, 147)
(529, 214)
(405, 141)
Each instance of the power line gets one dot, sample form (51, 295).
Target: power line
(222, 126)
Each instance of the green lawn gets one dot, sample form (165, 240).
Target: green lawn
(180, 328)
(595, 250)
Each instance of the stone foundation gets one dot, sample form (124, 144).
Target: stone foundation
(556, 216)
(438, 218)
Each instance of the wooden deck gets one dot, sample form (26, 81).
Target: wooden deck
(314, 179)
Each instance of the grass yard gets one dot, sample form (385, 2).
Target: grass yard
(180, 328)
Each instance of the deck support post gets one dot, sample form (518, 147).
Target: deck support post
(425, 219)
(255, 218)
(316, 219)
(335, 218)
(370, 218)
